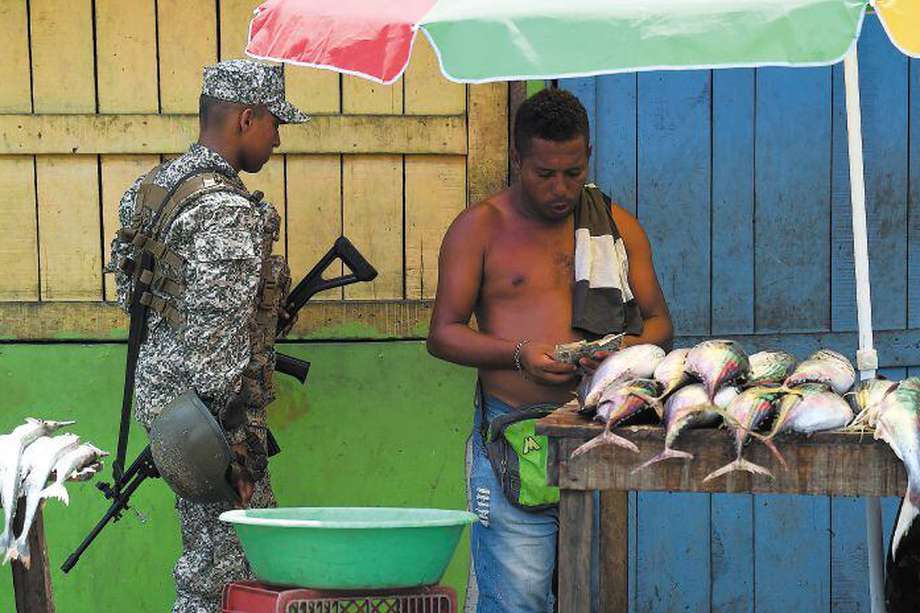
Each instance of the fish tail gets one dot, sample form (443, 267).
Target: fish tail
(603, 439)
(56, 490)
(739, 464)
(664, 455)
(768, 441)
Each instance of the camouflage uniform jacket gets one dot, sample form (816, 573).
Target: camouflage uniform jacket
(224, 239)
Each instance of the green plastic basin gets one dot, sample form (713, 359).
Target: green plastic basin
(348, 547)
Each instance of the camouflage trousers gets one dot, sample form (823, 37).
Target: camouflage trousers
(211, 553)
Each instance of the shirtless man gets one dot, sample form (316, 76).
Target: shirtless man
(510, 260)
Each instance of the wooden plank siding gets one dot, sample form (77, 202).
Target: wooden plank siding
(740, 178)
(97, 92)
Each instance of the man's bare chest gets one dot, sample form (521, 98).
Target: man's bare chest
(523, 265)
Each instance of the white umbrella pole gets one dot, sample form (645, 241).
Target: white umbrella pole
(866, 358)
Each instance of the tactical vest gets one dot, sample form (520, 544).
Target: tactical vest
(155, 210)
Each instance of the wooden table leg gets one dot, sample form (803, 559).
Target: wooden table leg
(32, 586)
(613, 580)
(576, 522)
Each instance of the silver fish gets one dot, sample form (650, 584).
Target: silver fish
(70, 464)
(38, 460)
(898, 425)
(581, 393)
(637, 361)
(827, 367)
(743, 415)
(813, 409)
(689, 407)
(671, 371)
(618, 404)
(769, 367)
(716, 363)
(866, 399)
(11, 448)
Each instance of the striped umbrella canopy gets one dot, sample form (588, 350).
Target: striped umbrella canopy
(487, 40)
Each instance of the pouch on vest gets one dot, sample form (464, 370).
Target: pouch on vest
(518, 456)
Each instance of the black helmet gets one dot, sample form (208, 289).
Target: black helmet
(190, 451)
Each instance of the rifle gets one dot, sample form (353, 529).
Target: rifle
(313, 283)
(125, 482)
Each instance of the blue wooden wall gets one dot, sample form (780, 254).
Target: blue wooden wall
(741, 180)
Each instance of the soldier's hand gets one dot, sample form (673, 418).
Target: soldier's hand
(240, 477)
(287, 321)
(538, 364)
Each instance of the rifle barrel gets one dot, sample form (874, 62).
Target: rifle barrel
(140, 470)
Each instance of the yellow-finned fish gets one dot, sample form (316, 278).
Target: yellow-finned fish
(689, 407)
(716, 363)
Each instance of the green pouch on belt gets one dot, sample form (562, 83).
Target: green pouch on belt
(518, 456)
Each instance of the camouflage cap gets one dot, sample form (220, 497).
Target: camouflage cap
(251, 82)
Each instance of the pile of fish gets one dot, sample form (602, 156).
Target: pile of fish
(29, 458)
(716, 382)
(759, 396)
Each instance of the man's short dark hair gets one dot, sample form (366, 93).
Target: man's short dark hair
(551, 114)
(211, 111)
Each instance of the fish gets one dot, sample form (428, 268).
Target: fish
(827, 367)
(716, 363)
(11, 449)
(636, 361)
(69, 465)
(38, 460)
(581, 393)
(671, 371)
(910, 382)
(770, 367)
(898, 424)
(866, 399)
(86, 473)
(813, 409)
(689, 407)
(618, 404)
(743, 415)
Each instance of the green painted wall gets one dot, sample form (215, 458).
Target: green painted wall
(380, 424)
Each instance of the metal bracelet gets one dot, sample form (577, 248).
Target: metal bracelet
(516, 356)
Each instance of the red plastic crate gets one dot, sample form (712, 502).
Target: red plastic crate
(251, 597)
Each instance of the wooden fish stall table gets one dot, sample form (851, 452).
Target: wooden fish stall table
(32, 586)
(828, 463)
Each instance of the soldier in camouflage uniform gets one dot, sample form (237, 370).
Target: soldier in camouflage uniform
(214, 326)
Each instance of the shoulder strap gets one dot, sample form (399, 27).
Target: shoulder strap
(189, 188)
(138, 313)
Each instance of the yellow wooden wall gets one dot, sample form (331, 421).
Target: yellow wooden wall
(97, 92)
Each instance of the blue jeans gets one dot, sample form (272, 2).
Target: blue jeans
(513, 551)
